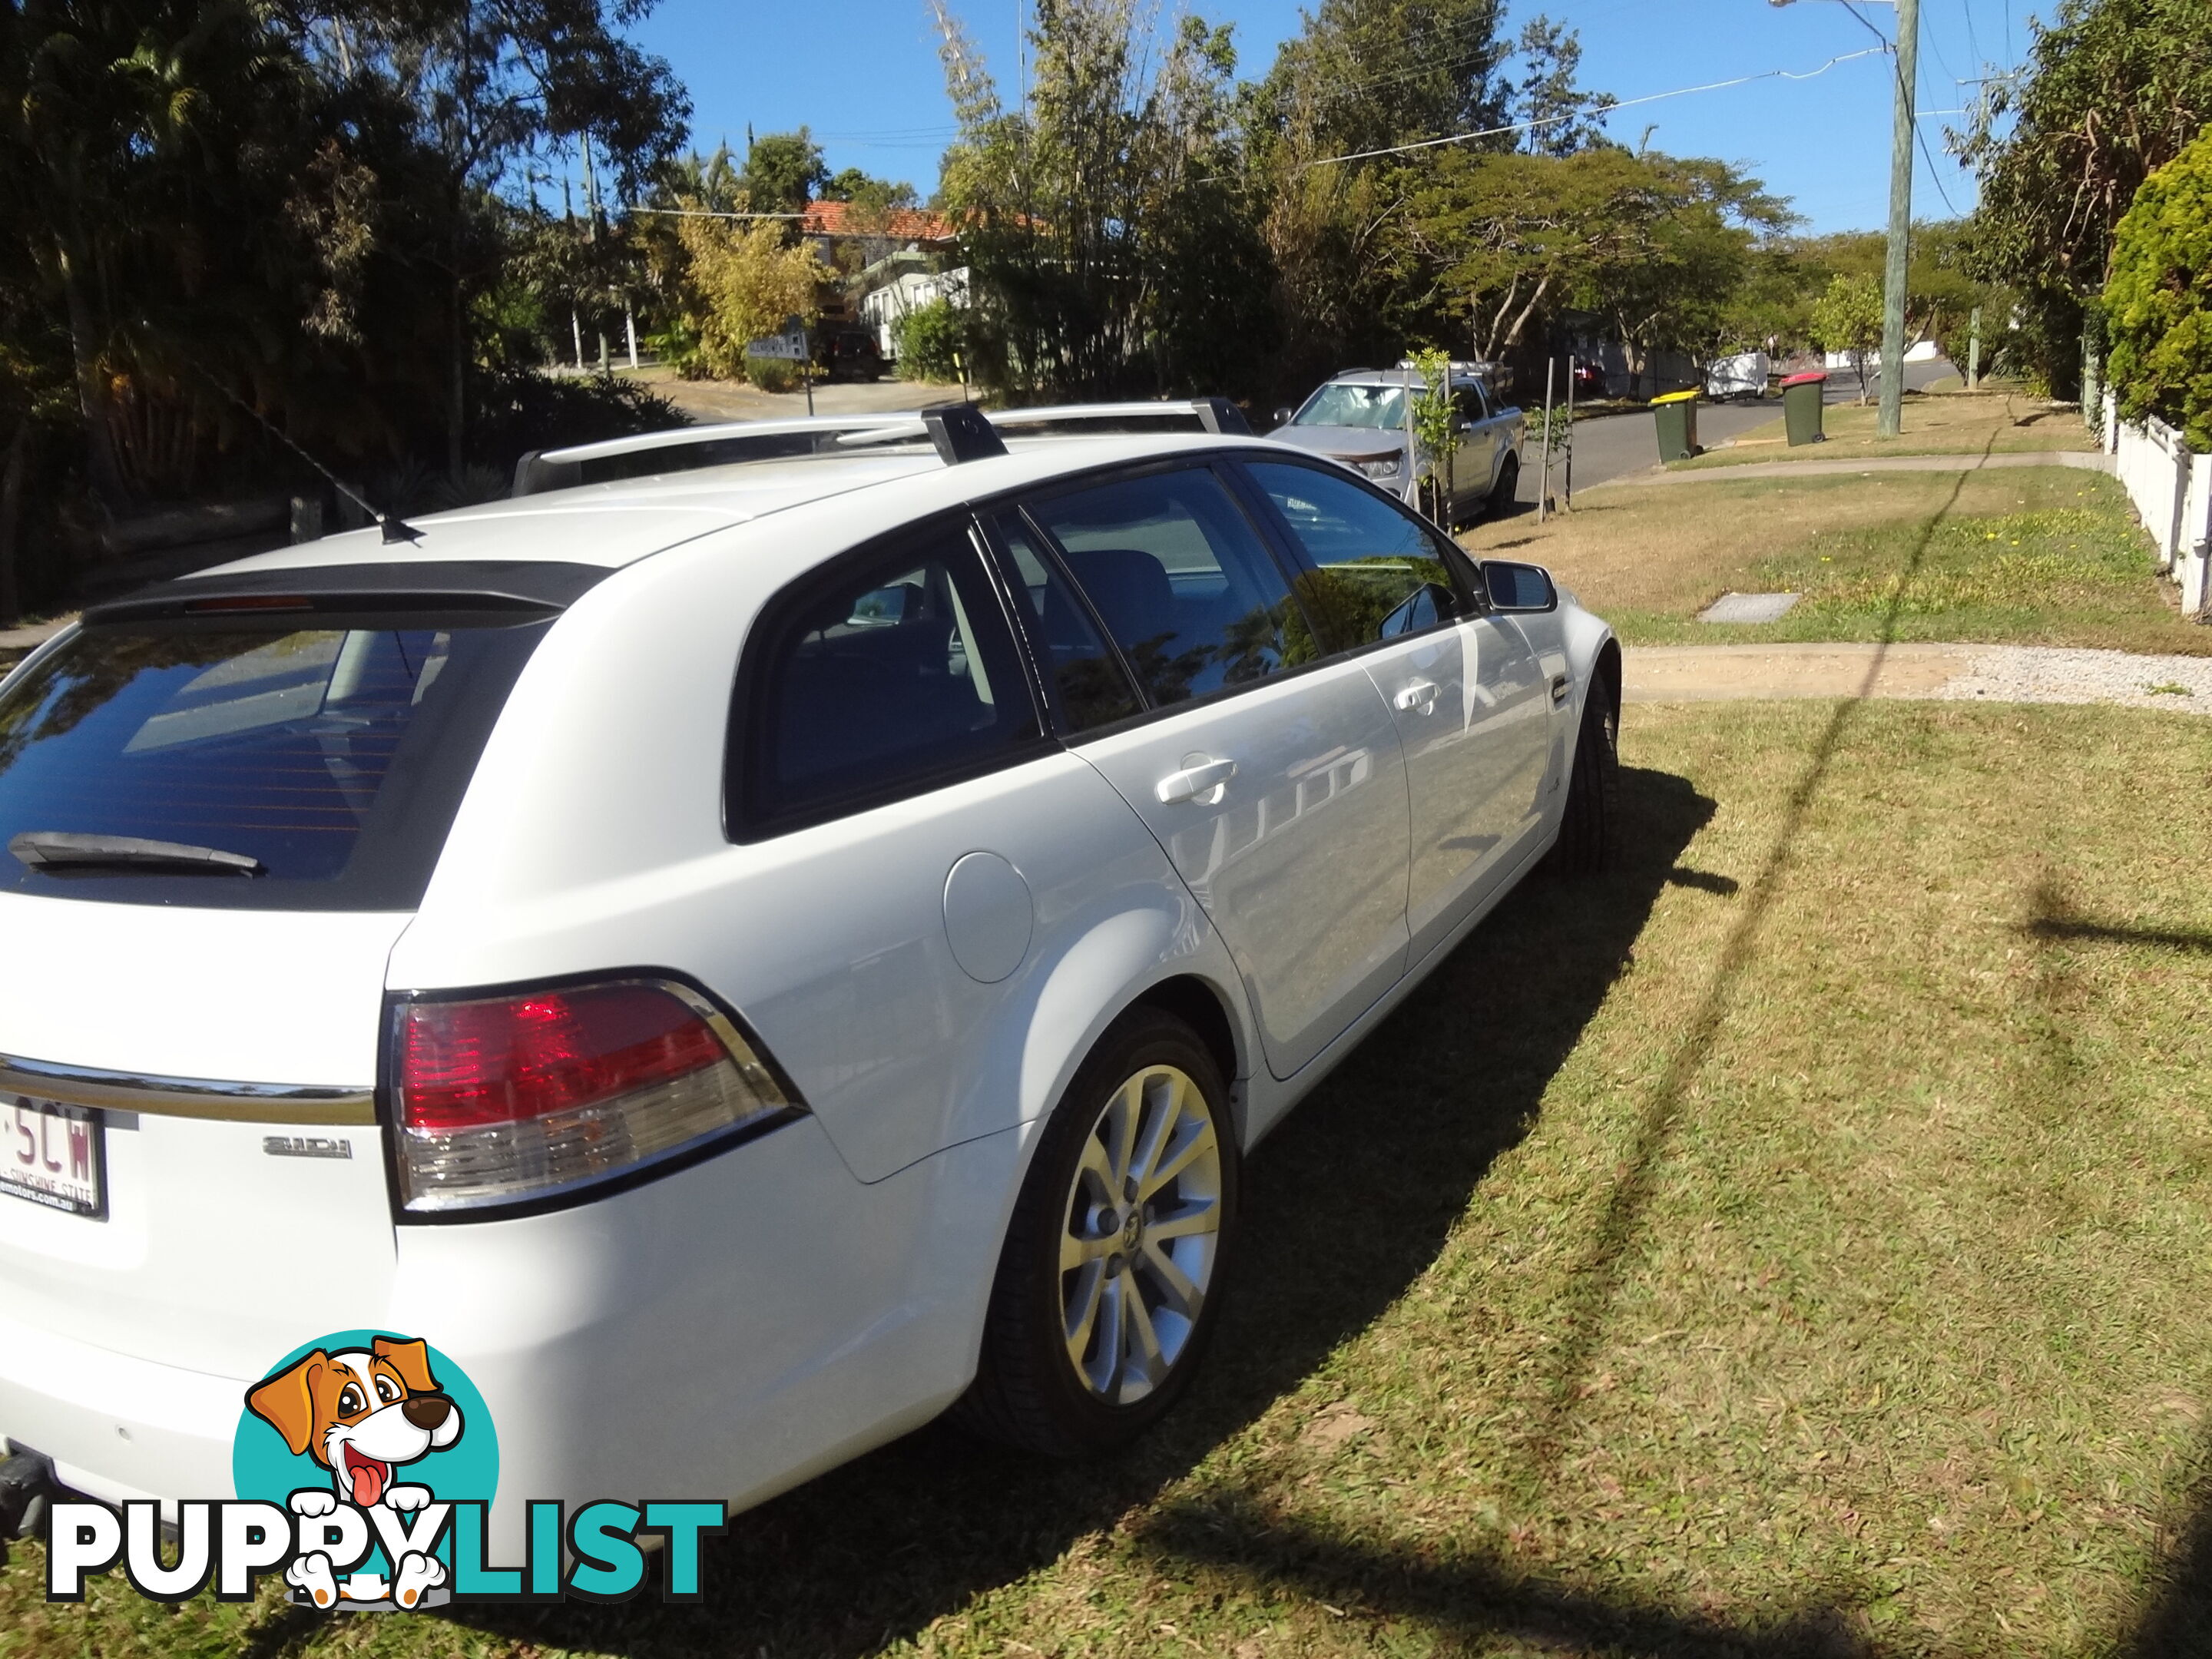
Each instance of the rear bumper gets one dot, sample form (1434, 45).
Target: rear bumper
(722, 1333)
(116, 1428)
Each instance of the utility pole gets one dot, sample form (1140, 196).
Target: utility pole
(1907, 52)
(1974, 351)
(1891, 420)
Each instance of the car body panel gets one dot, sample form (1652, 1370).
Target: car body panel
(830, 1275)
(1299, 857)
(193, 1263)
(1475, 759)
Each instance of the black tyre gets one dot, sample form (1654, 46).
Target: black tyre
(1109, 1284)
(1508, 485)
(1589, 836)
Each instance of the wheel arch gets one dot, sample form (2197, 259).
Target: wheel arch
(1200, 1005)
(1605, 676)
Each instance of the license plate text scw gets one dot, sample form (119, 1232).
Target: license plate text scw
(54, 1154)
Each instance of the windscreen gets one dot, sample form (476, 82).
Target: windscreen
(323, 764)
(1378, 408)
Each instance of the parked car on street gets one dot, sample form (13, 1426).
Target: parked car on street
(741, 959)
(1360, 419)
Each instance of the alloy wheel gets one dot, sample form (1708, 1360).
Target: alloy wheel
(1141, 1235)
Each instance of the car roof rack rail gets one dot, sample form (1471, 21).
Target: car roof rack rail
(959, 432)
(722, 443)
(962, 433)
(1215, 415)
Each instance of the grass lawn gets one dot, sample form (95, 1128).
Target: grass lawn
(2032, 555)
(1958, 422)
(1798, 1243)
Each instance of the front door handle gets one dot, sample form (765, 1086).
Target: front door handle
(1558, 688)
(1195, 782)
(1418, 697)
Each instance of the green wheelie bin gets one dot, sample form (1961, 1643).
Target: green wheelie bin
(1802, 396)
(1675, 416)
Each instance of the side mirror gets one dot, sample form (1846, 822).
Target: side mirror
(1424, 607)
(1283, 415)
(1519, 587)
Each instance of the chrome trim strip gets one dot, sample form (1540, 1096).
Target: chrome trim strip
(186, 1096)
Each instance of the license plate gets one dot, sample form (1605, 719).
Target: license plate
(54, 1154)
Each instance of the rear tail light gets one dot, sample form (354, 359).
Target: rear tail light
(510, 1099)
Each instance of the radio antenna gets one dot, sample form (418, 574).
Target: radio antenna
(395, 528)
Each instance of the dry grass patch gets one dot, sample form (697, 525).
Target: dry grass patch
(2029, 555)
(1799, 1243)
(1962, 423)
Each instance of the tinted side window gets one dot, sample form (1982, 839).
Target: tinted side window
(896, 671)
(1376, 572)
(1089, 684)
(1467, 400)
(1182, 582)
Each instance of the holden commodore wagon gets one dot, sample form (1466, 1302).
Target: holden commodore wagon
(743, 948)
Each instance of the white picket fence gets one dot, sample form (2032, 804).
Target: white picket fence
(2171, 486)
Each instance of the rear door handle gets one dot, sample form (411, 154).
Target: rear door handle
(1420, 696)
(1558, 688)
(1193, 781)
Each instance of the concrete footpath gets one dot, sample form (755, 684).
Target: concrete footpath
(1968, 673)
(2086, 460)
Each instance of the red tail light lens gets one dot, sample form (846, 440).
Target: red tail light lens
(504, 1099)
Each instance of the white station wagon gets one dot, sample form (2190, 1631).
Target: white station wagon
(762, 938)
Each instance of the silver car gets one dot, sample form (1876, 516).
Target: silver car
(1362, 420)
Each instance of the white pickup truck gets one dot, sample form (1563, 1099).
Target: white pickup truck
(1359, 419)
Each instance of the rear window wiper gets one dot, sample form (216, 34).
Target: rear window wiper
(61, 853)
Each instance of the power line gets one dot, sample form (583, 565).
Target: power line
(703, 213)
(1932, 172)
(1575, 115)
(1866, 23)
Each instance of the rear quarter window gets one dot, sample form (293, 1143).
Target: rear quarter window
(888, 673)
(331, 758)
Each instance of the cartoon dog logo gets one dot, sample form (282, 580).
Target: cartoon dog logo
(363, 1414)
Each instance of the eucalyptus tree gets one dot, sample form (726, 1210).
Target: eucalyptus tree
(497, 90)
(1098, 217)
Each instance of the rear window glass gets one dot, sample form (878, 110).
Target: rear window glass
(324, 764)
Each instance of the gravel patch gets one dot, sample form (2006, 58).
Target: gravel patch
(2038, 673)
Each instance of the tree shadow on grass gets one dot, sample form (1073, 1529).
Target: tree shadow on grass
(1345, 1206)
(1474, 1595)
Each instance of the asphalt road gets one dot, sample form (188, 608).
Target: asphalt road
(1614, 446)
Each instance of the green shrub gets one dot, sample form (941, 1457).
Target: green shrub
(773, 373)
(2157, 303)
(514, 410)
(929, 339)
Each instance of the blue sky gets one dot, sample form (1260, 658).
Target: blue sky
(864, 75)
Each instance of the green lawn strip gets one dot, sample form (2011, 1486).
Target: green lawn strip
(2077, 574)
(1800, 1239)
